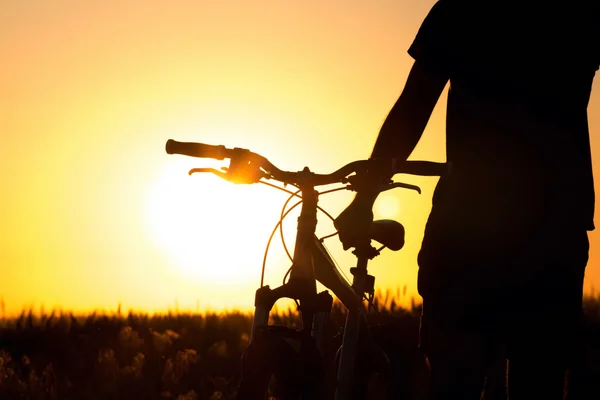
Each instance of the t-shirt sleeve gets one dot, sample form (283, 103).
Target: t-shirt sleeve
(431, 45)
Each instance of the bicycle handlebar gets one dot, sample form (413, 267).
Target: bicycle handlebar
(246, 166)
(197, 149)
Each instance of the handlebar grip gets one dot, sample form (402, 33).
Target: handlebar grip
(424, 168)
(196, 149)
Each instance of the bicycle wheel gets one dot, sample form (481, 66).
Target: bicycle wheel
(373, 374)
(279, 365)
(398, 337)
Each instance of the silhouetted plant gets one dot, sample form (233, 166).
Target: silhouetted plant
(184, 356)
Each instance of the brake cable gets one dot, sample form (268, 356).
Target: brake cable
(281, 229)
(279, 226)
(282, 217)
(262, 276)
(318, 208)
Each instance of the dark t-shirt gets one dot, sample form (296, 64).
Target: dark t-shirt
(517, 132)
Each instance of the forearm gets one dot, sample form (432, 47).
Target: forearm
(400, 132)
(404, 125)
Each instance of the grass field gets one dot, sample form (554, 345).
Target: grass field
(195, 356)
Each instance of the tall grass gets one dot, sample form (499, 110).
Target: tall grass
(187, 356)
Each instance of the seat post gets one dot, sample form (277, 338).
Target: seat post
(362, 282)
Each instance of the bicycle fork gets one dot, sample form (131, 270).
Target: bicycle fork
(265, 299)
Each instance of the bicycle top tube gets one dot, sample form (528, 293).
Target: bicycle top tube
(248, 167)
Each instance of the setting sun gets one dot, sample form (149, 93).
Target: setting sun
(213, 230)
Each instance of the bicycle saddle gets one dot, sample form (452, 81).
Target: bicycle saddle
(388, 232)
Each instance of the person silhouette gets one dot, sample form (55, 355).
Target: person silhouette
(505, 248)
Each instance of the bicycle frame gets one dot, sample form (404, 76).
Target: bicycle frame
(312, 263)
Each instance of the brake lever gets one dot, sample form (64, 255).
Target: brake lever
(211, 170)
(240, 176)
(402, 185)
(358, 186)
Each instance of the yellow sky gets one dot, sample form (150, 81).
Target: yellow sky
(93, 212)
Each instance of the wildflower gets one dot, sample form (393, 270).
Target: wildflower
(174, 370)
(219, 349)
(135, 369)
(163, 340)
(216, 396)
(130, 338)
(49, 380)
(191, 395)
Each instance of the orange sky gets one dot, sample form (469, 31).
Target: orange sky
(93, 212)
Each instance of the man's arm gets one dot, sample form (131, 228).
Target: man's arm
(397, 138)
(407, 120)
